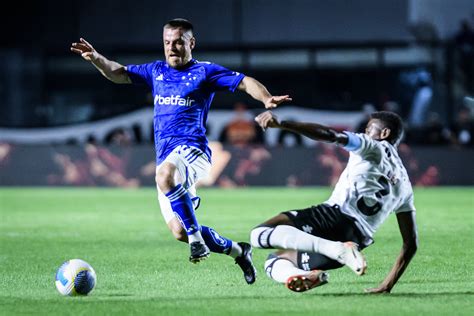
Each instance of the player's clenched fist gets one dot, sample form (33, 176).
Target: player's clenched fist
(267, 119)
(84, 49)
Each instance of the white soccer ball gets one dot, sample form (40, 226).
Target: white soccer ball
(75, 277)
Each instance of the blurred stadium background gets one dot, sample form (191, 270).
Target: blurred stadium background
(415, 57)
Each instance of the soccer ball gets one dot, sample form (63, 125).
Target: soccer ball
(75, 277)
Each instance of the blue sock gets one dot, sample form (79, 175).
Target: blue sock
(183, 208)
(214, 241)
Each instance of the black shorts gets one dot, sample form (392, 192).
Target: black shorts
(327, 222)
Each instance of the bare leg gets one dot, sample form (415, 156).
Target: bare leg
(177, 230)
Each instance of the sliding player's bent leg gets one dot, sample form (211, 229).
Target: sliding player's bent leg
(291, 238)
(353, 258)
(288, 231)
(282, 267)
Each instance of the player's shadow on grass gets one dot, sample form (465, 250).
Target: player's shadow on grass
(118, 295)
(402, 294)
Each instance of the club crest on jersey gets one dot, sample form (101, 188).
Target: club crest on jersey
(173, 100)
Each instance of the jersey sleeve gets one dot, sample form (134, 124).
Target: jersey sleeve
(354, 142)
(221, 78)
(141, 74)
(362, 145)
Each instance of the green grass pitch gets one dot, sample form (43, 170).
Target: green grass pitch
(142, 270)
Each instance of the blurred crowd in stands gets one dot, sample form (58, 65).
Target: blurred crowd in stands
(423, 126)
(436, 100)
(418, 102)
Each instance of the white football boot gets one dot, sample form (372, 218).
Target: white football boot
(353, 258)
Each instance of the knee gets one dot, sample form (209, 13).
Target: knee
(165, 179)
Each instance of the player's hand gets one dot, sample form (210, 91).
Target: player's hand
(274, 101)
(84, 49)
(267, 119)
(378, 290)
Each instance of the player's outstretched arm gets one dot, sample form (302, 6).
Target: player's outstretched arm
(407, 225)
(259, 92)
(311, 130)
(111, 70)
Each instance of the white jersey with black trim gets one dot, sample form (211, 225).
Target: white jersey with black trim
(374, 184)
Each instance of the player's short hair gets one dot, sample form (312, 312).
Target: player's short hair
(392, 121)
(179, 23)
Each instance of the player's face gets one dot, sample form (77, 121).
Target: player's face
(376, 130)
(178, 46)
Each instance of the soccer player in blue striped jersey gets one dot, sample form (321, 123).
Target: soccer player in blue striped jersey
(183, 89)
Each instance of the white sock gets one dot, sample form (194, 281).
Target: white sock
(196, 237)
(235, 250)
(289, 237)
(259, 237)
(280, 269)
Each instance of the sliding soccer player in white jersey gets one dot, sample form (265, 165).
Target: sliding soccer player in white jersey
(183, 89)
(331, 235)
